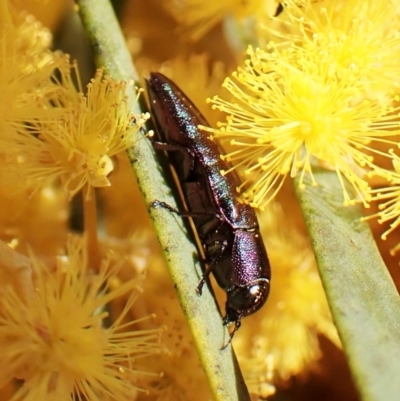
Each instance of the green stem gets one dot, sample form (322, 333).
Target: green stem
(363, 299)
(181, 255)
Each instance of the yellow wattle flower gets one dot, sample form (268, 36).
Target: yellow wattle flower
(77, 146)
(26, 67)
(59, 342)
(388, 197)
(290, 110)
(50, 13)
(197, 17)
(360, 36)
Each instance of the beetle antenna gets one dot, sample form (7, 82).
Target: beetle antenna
(235, 329)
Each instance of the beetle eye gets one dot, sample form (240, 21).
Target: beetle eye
(243, 301)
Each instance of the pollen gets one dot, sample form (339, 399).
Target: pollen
(388, 198)
(58, 341)
(26, 65)
(360, 36)
(197, 17)
(76, 146)
(291, 113)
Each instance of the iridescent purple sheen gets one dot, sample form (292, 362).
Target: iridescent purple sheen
(227, 228)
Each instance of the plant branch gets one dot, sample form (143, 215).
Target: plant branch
(364, 302)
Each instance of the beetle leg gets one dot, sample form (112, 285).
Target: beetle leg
(204, 278)
(168, 147)
(156, 204)
(164, 205)
(211, 265)
(186, 164)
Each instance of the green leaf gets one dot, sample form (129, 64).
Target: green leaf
(181, 255)
(363, 299)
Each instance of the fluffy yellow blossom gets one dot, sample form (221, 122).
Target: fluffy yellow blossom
(59, 341)
(26, 66)
(50, 13)
(77, 147)
(197, 17)
(28, 37)
(281, 340)
(291, 110)
(389, 198)
(361, 36)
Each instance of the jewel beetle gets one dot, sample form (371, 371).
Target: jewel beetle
(227, 228)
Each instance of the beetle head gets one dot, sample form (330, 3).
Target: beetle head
(245, 300)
